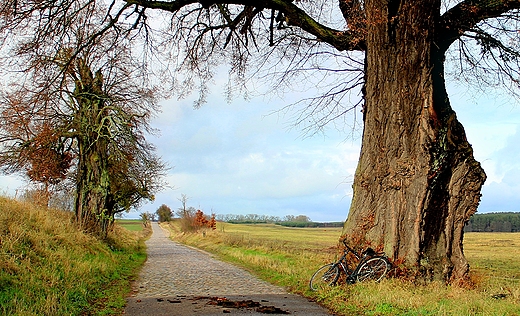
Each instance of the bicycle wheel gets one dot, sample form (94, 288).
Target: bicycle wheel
(373, 269)
(324, 277)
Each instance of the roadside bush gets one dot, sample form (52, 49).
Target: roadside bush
(192, 221)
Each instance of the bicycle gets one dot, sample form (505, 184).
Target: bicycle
(371, 266)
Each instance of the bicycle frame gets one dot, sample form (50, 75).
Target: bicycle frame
(343, 264)
(370, 266)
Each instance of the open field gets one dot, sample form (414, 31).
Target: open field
(289, 256)
(135, 225)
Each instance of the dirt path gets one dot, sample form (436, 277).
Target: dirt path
(178, 280)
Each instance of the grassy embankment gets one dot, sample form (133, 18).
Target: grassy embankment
(48, 267)
(289, 256)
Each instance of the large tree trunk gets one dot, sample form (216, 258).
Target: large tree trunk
(417, 182)
(94, 205)
(94, 201)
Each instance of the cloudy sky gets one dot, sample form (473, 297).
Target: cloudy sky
(241, 158)
(238, 158)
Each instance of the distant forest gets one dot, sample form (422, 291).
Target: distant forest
(494, 222)
(490, 222)
(287, 220)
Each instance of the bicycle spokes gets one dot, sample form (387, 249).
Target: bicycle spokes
(324, 277)
(328, 277)
(373, 269)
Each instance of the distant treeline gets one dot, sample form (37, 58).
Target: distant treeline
(287, 220)
(490, 222)
(261, 219)
(494, 222)
(310, 224)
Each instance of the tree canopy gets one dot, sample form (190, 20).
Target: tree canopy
(164, 213)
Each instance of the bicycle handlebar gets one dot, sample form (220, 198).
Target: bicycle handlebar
(367, 252)
(344, 241)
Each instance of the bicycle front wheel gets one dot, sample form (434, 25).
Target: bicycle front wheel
(324, 277)
(373, 269)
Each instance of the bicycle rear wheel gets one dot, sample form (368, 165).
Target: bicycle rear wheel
(373, 269)
(324, 277)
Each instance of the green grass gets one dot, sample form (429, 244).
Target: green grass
(135, 225)
(49, 267)
(289, 256)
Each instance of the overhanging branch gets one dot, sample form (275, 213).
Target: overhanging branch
(341, 40)
(466, 15)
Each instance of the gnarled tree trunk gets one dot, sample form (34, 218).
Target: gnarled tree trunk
(417, 182)
(94, 202)
(94, 205)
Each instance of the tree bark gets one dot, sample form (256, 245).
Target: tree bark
(94, 205)
(94, 201)
(417, 182)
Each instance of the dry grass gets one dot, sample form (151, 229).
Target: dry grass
(289, 256)
(49, 267)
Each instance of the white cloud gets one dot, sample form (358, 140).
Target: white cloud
(502, 193)
(235, 158)
(492, 124)
(10, 185)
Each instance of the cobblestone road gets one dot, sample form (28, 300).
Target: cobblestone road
(178, 280)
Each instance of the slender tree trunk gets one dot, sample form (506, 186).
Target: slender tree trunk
(417, 182)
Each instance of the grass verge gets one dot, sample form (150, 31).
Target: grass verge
(49, 267)
(288, 257)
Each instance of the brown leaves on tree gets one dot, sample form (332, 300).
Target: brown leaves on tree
(201, 220)
(48, 163)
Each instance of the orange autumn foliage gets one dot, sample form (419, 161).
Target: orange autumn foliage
(201, 220)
